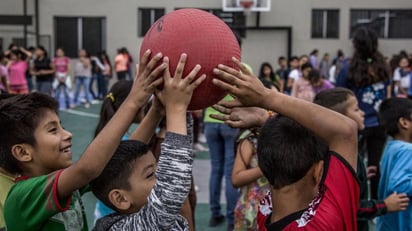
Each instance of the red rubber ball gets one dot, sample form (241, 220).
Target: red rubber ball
(206, 40)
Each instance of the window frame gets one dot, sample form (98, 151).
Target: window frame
(386, 20)
(325, 24)
(80, 35)
(141, 31)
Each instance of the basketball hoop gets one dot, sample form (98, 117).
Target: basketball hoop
(246, 5)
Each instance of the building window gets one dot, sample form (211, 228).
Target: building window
(325, 23)
(146, 17)
(75, 33)
(386, 23)
(18, 41)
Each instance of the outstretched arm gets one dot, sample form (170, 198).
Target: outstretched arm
(146, 129)
(99, 152)
(337, 130)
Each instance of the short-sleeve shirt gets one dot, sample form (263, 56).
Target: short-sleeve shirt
(17, 73)
(62, 64)
(6, 183)
(369, 97)
(402, 76)
(396, 175)
(294, 74)
(334, 208)
(43, 64)
(121, 62)
(33, 203)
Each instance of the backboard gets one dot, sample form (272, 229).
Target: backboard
(239, 5)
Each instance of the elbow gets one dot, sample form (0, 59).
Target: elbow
(236, 182)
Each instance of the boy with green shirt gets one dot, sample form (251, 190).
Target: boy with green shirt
(34, 144)
(6, 182)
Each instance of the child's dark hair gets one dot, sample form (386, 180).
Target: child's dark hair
(117, 94)
(287, 150)
(19, 117)
(43, 49)
(117, 172)
(368, 65)
(314, 76)
(262, 67)
(293, 58)
(306, 65)
(334, 99)
(391, 110)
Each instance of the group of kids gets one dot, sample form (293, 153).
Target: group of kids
(308, 152)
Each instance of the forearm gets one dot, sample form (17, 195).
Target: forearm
(331, 126)
(144, 132)
(246, 177)
(176, 120)
(99, 152)
(173, 176)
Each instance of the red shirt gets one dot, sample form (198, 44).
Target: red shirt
(334, 208)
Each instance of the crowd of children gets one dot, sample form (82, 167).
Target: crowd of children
(294, 170)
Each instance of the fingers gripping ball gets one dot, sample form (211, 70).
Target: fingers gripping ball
(206, 40)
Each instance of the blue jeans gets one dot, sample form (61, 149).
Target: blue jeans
(221, 141)
(91, 90)
(44, 87)
(85, 82)
(65, 89)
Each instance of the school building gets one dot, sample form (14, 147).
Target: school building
(291, 27)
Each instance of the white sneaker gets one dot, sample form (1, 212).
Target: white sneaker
(199, 147)
(202, 138)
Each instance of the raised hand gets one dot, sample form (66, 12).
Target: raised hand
(240, 117)
(246, 87)
(397, 202)
(177, 91)
(148, 77)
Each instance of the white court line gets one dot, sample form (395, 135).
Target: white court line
(80, 113)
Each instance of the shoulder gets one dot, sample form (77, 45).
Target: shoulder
(397, 146)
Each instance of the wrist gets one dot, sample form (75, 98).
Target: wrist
(268, 97)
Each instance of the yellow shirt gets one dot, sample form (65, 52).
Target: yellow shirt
(6, 183)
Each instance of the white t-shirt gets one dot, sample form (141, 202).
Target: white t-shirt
(294, 74)
(403, 79)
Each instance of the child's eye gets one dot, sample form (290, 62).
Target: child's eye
(53, 130)
(150, 175)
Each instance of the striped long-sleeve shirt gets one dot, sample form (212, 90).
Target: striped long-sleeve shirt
(172, 186)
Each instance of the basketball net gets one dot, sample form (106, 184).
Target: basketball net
(247, 5)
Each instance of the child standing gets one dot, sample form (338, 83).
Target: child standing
(396, 163)
(62, 80)
(144, 196)
(34, 144)
(302, 88)
(344, 101)
(297, 163)
(249, 178)
(318, 83)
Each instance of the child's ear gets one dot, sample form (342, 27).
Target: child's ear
(22, 152)
(118, 198)
(404, 123)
